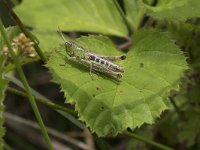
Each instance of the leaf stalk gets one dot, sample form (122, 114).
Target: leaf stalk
(153, 143)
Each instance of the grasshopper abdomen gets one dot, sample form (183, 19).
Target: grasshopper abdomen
(106, 64)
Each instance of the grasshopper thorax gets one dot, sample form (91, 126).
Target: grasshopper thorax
(73, 50)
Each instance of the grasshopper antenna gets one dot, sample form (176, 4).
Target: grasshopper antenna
(61, 35)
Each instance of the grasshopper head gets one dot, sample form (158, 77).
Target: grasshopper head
(68, 44)
(74, 50)
(70, 48)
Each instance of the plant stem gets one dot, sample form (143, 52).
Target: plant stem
(26, 31)
(17, 123)
(43, 101)
(100, 142)
(27, 88)
(155, 144)
(178, 111)
(38, 95)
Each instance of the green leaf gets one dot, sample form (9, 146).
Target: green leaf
(153, 66)
(186, 36)
(73, 15)
(48, 39)
(135, 12)
(173, 9)
(3, 86)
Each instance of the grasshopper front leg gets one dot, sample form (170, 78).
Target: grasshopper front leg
(69, 58)
(88, 63)
(91, 64)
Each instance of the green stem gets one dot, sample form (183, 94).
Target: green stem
(43, 101)
(155, 144)
(26, 31)
(38, 95)
(27, 88)
(101, 144)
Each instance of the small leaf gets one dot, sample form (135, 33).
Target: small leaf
(73, 15)
(186, 36)
(12, 32)
(153, 66)
(173, 9)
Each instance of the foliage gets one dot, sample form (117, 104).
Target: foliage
(161, 68)
(106, 105)
(70, 15)
(3, 86)
(176, 10)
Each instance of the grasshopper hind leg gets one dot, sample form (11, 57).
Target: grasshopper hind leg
(113, 74)
(107, 71)
(114, 58)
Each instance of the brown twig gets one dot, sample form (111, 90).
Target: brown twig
(26, 126)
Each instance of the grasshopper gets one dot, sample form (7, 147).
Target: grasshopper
(96, 62)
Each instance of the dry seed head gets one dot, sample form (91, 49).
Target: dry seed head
(5, 51)
(21, 45)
